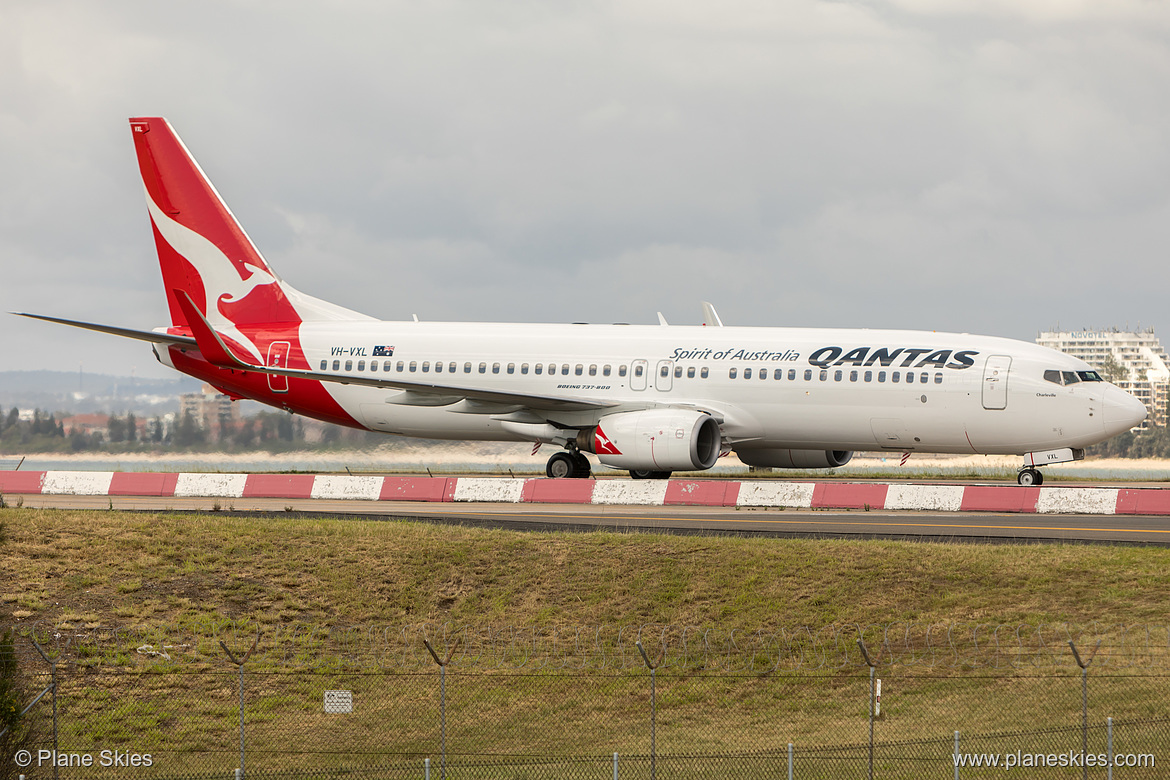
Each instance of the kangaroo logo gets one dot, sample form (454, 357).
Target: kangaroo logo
(222, 281)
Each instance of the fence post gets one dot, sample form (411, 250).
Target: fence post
(615, 766)
(956, 755)
(789, 761)
(1084, 702)
(653, 667)
(442, 705)
(52, 685)
(1109, 740)
(240, 665)
(872, 668)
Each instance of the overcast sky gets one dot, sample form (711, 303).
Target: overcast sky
(970, 165)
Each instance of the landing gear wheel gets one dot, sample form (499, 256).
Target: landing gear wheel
(561, 466)
(1030, 477)
(647, 474)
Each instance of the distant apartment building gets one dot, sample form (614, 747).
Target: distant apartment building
(212, 411)
(1134, 361)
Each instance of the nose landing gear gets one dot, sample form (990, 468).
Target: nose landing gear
(1030, 477)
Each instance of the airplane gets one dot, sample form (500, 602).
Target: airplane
(650, 399)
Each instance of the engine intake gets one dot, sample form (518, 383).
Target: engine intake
(654, 440)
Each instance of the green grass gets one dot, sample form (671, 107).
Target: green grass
(164, 572)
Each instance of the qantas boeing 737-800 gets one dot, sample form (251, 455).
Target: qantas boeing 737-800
(649, 399)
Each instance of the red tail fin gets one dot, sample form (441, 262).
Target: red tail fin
(202, 249)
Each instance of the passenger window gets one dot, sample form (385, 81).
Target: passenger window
(894, 376)
(467, 368)
(361, 365)
(565, 370)
(511, 368)
(592, 369)
(924, 377)
(495, 368)
(731, 373)
(678, 372)
(523, 368)
(909, 377)
(808, 375)
(792, 375)
(426, 366)
(938, 379)
(605, 370)
(691, 372)
(837, 376)
(747, 373)
(400, 365)
(868, 376)
(621, 370)
(763, 373)
(483, 368)
(778, 373)
(852, 376)
(336, 365)
(538, 368)
(324, 365)
(637, 370)
(824, 376)
(664, 371)
(373, 365)
(704, 372)
(438, 367)
(349, 365)
(451, 367)
(580, 369)
(881, 376)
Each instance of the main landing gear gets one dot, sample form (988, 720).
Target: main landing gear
(568, 464)
(643, 474)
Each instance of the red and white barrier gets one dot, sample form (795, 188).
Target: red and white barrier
(675, 492)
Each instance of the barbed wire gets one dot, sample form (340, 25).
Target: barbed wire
(906, 645)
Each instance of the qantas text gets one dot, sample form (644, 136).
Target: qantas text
(884, 356)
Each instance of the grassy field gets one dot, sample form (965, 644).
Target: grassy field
(86, 569)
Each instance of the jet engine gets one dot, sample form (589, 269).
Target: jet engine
(795, 459)
(658, 440)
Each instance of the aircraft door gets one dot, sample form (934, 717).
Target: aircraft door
(995, 381)
(664, 376)
(278, 358)
(638, 375)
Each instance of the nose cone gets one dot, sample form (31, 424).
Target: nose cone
(1122, 410)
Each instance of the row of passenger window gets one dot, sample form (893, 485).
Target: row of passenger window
(451, 368)
(607, 370)
(839, 375)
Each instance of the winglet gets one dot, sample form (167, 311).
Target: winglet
(710, 316)
(208, 341)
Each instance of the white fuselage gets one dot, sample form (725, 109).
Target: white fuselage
(797, 388)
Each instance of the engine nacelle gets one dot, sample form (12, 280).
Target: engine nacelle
(795, 459)
(654, 440)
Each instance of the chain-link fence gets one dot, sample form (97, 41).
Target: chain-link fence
(648, 702)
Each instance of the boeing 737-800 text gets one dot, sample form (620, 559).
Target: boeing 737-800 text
(649, 399)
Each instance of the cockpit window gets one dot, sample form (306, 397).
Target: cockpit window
(1070, 377)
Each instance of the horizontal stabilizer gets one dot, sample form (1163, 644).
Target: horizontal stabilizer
(141, 335)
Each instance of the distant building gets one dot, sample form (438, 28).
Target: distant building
(212, 411)
(87, 424)
(1134, 361)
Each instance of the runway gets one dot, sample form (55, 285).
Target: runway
(741, 521)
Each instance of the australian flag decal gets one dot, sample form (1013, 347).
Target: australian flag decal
(383, 352)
